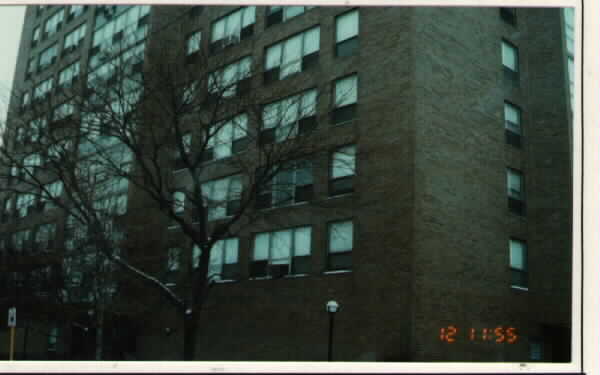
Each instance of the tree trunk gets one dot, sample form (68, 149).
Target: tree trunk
(189, 335)
(99, 335)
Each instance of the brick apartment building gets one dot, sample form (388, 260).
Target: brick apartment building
(440, 221)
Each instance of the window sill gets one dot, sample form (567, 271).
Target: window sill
(521, 288)
(336, 272)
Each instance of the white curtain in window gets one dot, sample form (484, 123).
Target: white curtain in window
(514, 181)
(346, 26)
(249, 15)
(343, 163)
(218, 30)
(178, 201)
(340, 237)
(308, 106)
(346, 91)
(509, 57)
(216, 253)
(231, 250)
(517, 255)
(302, 241)
(273, 58)
(292, 53)
(261, 247)
(311, 41)
(280, 247)
(233, 24)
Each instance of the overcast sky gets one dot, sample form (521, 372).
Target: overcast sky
(11, 22)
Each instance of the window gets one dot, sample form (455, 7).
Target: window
(232, 79)
(510, 61)
(21, 240)
(48, 56)
(227, 138)
(179, 202)
(74, 38)
(342, 171)
(31, 163)
(516, 191)
(63, 111)
(192, 44)
(232, 28)
(222, 197)
(24, 201)
(292, 55)
(518, 263)
(52, 339)
(6, 209)
(173, 259)
(512, 123)
(277, 14)
(293, 183)
(346, 34)
(223, 264)
(186, 142)
(44, 237)
(36, 36)
(536, 350)
(52, 192)
(288, 117)
(345, 98)
(285, 252)
(54, 23)
(509, 15)
(25, 99)
(76, 10)
(341, 240)
(31, 64)
(68, 75)
(42, 89)
(37, 129)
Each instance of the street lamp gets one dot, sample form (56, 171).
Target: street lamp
(332, 307)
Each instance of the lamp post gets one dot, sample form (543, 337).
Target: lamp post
(332, 307)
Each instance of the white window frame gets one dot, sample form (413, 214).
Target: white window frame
(510, 56)
(276, 54)
(287, 253)
(224, 81)
(218, 193)
(332, 229)
(343, 97)
(222, 28)
(347, 28)
(284, 115)
(73, 38)
(193, 42)
(224, 134)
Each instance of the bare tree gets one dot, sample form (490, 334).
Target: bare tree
(128, 127)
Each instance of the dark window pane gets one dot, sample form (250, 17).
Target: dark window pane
(307, 124)
(303, 193)
(243, 86)
(278, 270)
(207, 155)
(310, 60)
(347, 47)
(509, 15)
(240, 144)
(267, 136)
(340, 261)
(247, 31)
(516, 206)
(230, 271)
(232, 207)
(271, 75)
(301, 264)
(258, 268)
(343, 114)
(341, 185)
(275, 17)
(263, 200)
(513, 138)
(518, 278)
(511, 76)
